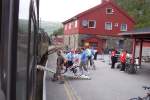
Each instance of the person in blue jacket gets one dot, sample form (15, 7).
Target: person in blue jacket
(83, 61)
(70, 58)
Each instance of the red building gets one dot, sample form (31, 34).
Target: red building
(98, 27)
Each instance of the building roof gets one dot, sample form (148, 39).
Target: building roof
(137, 33)
(96, 7)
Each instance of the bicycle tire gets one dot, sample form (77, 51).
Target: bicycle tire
(131, 68)
(127, 66)
(138, 98)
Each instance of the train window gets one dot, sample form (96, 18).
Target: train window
(22, 47)
(0, 17)
(2, 96)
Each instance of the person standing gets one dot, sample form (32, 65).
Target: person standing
(70, 58)
(83, 61)
(60, 62)
(123, 60)
(89, 56)
(113, 58)
(95, 54)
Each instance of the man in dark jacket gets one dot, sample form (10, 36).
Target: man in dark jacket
(113, 58)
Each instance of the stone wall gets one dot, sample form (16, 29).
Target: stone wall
(75, 41)
(71, 41)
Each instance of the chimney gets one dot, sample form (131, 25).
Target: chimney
(105, 1)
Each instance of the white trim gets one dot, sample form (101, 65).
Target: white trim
(44, 83)
(92, 21)
(106, 27)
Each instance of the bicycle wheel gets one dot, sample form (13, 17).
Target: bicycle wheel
(138, 98)
(132, 68)
(127, 66)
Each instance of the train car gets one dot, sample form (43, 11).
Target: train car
(19, 39)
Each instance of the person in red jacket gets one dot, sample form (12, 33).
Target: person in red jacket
(113, 58)
(123, 60)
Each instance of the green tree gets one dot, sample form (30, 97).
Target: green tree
(58, 32)
(138, 9)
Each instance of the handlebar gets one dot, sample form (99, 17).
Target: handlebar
(146, 88)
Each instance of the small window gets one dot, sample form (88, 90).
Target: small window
(109, 11)
(66, 27)
(123, 27)
(92, 24)
(70, 25)
(108, 25)
(76, 24)
(85, 23)
(116, 25)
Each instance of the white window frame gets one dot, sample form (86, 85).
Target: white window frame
(106, 27)
(92, 21)
(112, 11)
(121, 27)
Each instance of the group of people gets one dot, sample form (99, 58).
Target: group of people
(84, 57)
(122, 58)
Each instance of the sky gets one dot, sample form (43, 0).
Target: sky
(61, 10)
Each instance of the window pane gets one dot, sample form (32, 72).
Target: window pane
(108, 26)
(92, 24)
(109, 11)
(22, 46)
(123, 27)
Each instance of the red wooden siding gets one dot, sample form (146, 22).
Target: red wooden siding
(98, 13)
(101, 17)
(100, 44)
(72, 29)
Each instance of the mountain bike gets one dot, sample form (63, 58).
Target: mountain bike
(147, 97)
(130, 67)
(72, 68)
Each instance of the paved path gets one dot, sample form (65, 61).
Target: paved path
(106, 84)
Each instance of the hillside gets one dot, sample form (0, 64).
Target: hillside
(48, 27)
(138, 9)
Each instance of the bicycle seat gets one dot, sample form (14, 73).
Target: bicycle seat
(146, 87)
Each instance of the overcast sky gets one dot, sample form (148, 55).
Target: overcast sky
(61, 10)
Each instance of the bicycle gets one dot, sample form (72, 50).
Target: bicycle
(130, 67)
(147, 97)
(72, 68)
